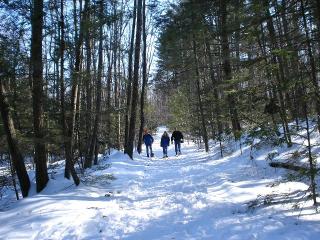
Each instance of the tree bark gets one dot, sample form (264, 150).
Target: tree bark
(129, 82)
(109, 82)
(88, 76)
(135, 83)
(69, 138)
(312, 165)
(287, 166)
(40, 156)
(62, 86)
(116, 49)
(314, 79)
(215, 84)
(94, 138)
(227, 68)
(16, 156)
(280, 76)
(144, 78)
(203, 123)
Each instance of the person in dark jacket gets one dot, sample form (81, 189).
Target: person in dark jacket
(165, 142)
(177, 137)
(148, 140)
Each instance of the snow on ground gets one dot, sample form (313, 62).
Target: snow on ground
(193, 196)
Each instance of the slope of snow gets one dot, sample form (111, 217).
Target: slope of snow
(193, 196)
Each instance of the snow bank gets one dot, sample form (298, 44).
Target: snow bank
(193, 196)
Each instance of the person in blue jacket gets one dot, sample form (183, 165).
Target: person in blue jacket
(165, 142)
(148, 140)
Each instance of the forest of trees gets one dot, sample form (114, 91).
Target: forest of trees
(72, 81)
(75, 75)
(242, 67)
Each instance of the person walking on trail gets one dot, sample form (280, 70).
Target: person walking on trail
(177, 137)
(148, 140)
(164, 143)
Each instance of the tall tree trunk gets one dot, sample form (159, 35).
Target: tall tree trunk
(203, 124)
(40, 156)
(294, 63)
(314, 79)
(16, 157)
(62, 86)
(312, 163)
(69, 139)
(109, 81)
(129, 82)
(56, 60)
(88, 77)
(280, 76)
(215, 84)
(135, 83)
(116, 49)
(144, 78)
(227, 67)
(108, 94)
(316, 6)
(94, 138)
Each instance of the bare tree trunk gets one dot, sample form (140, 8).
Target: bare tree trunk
(215, 84)
(312, 163)
(88, 77)
(294, 62)
(14, 183)
(116, 49)
(94, 138)
(40, 156)
(62, 86)
(135, 83)
(314, 79)
(16, 157)
(144, 78)
(108, 93)
(69, 140)
(279, 75)
(108, 100)
(56, 60)
(129, 82)
(227, 68)
(203, 124)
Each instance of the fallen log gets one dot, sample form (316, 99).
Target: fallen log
(288, 166)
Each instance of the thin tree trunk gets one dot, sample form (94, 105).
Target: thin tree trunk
(108, 97)
(215, 92)
(16, 157)
(94, 142)
(135, 83)
(203, 124)
(88, 77)
(74, 100)
(62, 86)
(40, 156)
(116, 77)
(129, 82)
(14, 183)
(279, 75)
(227, 68)
(314, 79)
(296, 109)
(144, 78)
(312, 164)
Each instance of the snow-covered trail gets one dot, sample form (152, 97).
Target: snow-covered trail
(192, 196)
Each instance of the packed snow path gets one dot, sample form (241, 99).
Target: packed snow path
(192, 196)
